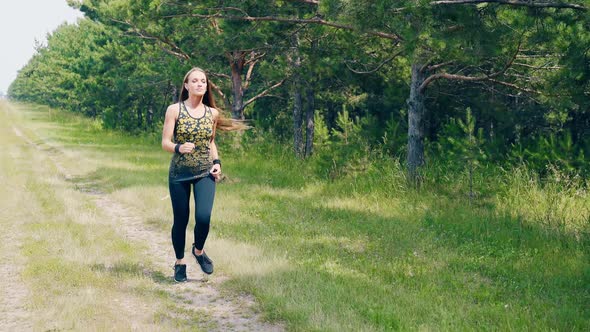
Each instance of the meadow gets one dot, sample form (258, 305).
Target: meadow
(363, 251)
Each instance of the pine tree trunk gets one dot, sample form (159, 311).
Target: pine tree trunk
(416, 111)
(470, 181)
(310, 96)
(174, 91)
(150, 116)
(297, 121)
(140, 116)
(237, 60)
(119, 119)
(297, 102)
(309, 120)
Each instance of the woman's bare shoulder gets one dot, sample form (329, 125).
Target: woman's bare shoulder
(173, 109)
(215, 112)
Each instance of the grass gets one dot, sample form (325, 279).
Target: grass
(358, 253)
(80, 274)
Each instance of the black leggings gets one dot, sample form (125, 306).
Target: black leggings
(180, 193)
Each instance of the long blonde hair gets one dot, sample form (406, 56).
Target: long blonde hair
(223, 123)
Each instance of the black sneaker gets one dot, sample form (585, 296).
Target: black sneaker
(204, 261)
(180, 272)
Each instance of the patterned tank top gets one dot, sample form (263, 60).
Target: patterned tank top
(196, 164)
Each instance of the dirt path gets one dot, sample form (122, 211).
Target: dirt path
(14, 315)
(230, 313)
(222, 312)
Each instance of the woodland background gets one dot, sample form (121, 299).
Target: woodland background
(421, 82)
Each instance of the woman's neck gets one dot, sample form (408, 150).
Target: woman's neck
(194, 101)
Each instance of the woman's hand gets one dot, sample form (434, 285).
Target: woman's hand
(216, 171)
(187, 147)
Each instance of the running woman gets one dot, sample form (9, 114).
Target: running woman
(189, 133)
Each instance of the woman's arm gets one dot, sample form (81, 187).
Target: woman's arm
(168, 129)
(216, 169)
(168, 132)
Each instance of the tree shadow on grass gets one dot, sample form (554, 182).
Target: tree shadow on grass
(133, 270)
(110, 179)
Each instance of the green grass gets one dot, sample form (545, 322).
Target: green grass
(365, 252)
(79, 273)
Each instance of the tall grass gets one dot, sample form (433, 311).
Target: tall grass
(558, 202)
(362, 250)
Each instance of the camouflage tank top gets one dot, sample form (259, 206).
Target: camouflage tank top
(196, 164)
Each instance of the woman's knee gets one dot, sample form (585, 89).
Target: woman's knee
(203, 218)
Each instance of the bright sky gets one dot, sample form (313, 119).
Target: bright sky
(23, 21)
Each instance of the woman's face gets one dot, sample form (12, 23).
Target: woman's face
(196, 83)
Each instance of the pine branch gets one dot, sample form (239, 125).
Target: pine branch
(219, 75)
(310, 2)
(175, 51)
(514, 86)
(264, 93)
(376, 68)
(434, 77)
(255, 57)
(435, 67)
(513, 3)
(249, 73)
(537, 67)
(315, 20)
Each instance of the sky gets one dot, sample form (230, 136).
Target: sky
(23, 21)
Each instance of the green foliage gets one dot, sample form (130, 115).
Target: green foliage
(347, 150)
(555, 149)
(394, 136)
(321, 133)
(460, 143)
(123, 63)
